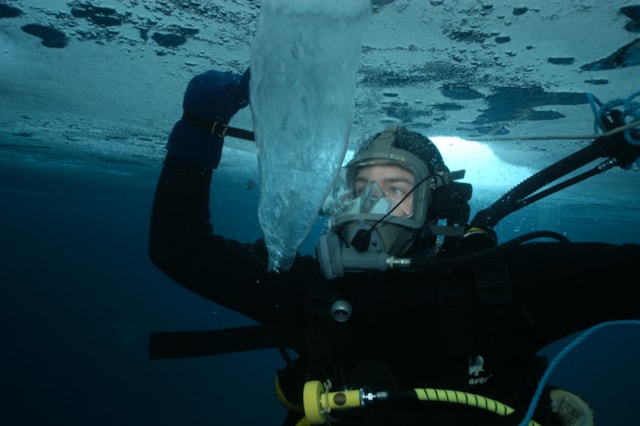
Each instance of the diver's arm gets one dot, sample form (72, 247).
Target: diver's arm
(227, 272)
(181, 240)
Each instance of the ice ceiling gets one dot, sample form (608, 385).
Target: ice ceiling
(105, 79)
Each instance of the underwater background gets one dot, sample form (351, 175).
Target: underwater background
(88, 93)
(79, 296)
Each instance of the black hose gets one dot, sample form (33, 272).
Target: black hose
(516, 197)
(419, 260)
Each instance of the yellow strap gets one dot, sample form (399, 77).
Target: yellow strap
(474, 230)
(303, 422)
(282, 398)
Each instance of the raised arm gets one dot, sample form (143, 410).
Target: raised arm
(181, 240)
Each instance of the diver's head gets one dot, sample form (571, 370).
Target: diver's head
(391, 183)
(394, 192)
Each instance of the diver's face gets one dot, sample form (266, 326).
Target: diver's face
(395, 183)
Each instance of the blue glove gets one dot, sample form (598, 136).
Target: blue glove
(210, 101)
(624, 146)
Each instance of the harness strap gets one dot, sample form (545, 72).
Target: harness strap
(217, 128)
(465, 309)
(455, 315)
(493, 285)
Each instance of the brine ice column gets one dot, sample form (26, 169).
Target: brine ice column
(304, 61)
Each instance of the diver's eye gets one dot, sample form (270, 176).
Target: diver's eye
(396, 192)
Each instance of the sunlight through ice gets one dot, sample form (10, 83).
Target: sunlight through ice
(304, 61)
(483, 168)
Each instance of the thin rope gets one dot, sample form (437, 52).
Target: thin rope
(559, 137)
(547, 374)
(631, 111)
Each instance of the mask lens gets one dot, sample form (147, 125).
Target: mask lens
(383, 191)
(372, 200)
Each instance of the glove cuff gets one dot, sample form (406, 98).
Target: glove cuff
(195, 144)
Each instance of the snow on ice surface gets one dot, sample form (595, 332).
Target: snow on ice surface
(104, 80)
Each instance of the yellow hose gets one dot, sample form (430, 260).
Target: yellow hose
(466, 398)
(318, 401)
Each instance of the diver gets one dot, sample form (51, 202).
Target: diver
(404, 293)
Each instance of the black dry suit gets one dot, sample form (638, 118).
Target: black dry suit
(474, 324)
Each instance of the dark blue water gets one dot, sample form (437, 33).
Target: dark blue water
(78, 297)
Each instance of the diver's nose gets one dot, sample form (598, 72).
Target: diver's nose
(376, 189)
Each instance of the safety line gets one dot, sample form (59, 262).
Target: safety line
(562, 354)
(558, 137)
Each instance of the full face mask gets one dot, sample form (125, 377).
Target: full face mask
(390, 218)
(375, 220)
